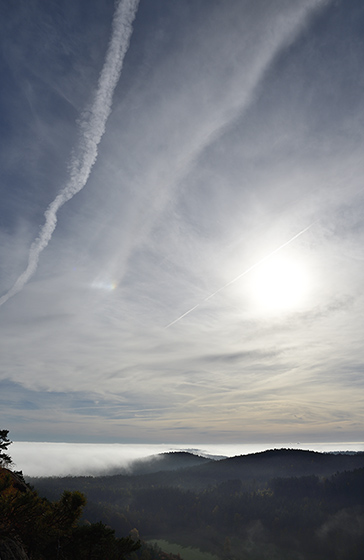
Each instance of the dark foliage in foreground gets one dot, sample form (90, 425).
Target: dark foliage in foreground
(47, 530)
(35, 528)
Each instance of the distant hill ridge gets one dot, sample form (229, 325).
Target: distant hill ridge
(186, 470)
(167, 461)
(281, 463)
(178, 471)
(265, 500)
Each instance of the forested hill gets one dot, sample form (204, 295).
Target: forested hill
(279, 463)
(276, 505)
(265, 464)
(188, 471)
(169, 461)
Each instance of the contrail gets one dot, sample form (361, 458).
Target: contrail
(92, 127)
(240, 275)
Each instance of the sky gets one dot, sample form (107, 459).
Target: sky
(181, 221)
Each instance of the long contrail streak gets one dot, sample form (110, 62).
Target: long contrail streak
(92, 127)
(240, 275)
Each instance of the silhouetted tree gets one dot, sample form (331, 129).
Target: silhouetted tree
(5, 459)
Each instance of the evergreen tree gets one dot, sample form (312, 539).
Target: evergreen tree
(5, 459)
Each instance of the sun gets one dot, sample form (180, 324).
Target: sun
(279, 284)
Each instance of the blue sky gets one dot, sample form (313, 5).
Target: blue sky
(181, 220)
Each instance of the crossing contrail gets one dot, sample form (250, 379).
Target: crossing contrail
(92, 127)
(240, 275)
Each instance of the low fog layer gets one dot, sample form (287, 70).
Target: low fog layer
(62, 459)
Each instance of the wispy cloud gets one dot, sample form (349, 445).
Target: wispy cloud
(92, 127)
(233, 129)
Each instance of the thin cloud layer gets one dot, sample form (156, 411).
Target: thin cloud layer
(92, 128)
(234, 140)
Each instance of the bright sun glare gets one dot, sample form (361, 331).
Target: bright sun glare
(279, 284)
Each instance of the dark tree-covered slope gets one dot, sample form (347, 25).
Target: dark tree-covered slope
(249, 469)
(276, 505)
(169, 461)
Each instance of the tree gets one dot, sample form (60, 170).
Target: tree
(39, 525)
(97, 541)
(5, 459)
(47, 530)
